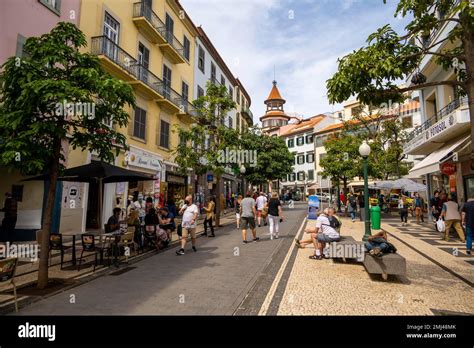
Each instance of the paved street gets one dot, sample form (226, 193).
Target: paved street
(219, 279)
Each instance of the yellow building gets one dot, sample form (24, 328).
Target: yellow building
(150, 45)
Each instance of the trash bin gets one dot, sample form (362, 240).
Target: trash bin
(313, 207)
(375, 217)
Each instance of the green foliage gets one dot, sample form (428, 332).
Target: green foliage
(372, 72)
(54, 72)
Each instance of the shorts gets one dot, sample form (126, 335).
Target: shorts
(325, 239)
(248, 221)
(189, 231)
(259, 212)
(237, 215)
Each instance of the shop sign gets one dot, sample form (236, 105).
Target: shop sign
(210, 177)
(452, 183)
(170, 178)
(448, 168)
(143, 159)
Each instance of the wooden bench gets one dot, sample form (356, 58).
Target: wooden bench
(387, 264)
(346, 248)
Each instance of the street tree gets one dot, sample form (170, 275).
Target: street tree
(372, 72)
(35, 125)
(274, 161)
(203, 144)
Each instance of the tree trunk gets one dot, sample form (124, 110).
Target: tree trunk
(48, 217)
(218, 200)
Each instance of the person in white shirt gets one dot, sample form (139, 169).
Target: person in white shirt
(190, 214)
(261, 201)
(323, 233)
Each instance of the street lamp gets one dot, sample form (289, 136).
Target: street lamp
(364, 151)
(242, 172)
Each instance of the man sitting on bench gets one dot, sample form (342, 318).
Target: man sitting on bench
(323, 233)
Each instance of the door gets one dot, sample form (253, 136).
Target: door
(146, 9)
(111, 32)
(184, 95)
(166, 81)
(169, 23)
(143, 61)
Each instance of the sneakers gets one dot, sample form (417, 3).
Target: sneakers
(376, 252)
(256, 239)
(245, 242)
(180, 252)
(468, 252)
(271, 236)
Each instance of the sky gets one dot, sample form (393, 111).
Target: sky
(299, 40)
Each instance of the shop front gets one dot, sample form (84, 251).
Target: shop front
(176, 186)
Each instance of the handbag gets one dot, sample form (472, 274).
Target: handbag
(440, 225)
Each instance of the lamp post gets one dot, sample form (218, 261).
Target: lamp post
(242, 172)
(364, 151)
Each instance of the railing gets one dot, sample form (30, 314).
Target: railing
(102, 45)
(448, 109)
(248, 112)
(173, 41)
(214, 81)
(185, 105)
(140, 9)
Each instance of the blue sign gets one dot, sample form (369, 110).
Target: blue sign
(210, 177)
(313, 207)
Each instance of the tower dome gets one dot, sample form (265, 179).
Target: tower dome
(275, 115)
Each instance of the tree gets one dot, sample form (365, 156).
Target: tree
(34, 124)
(372, 72)
(274, 162)
(202, 145)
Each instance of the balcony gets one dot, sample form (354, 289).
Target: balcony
(187, 111)
(173, 48)
(114, 59)
(172, 99)
(148, 23)
(448, 123)
(248, 115)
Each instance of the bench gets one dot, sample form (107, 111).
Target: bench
(346, 248)
(387, 264)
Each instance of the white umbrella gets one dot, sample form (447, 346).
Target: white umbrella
(403, 184)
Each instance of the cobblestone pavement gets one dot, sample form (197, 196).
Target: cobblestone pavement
(437, 282)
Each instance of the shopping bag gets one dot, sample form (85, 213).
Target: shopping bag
(440, 225)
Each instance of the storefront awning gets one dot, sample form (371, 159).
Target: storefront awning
(431, 163)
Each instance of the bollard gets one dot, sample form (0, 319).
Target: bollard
(375, 217)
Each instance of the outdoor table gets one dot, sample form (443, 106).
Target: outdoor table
(73, 234)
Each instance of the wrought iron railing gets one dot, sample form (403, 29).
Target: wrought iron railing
(141, 9)
(248, 112)
(102, 45)
(447, 110)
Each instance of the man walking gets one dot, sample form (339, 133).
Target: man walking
(10, 208)
(261, 202)
(452, 218)
(361, 201)
(190, 214)
(419, 204)
(468, 222)
(247, 215)
(209, 209)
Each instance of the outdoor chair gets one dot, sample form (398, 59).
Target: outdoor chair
(89, 246)
(56, 243)
(126, 240)
(7, 272)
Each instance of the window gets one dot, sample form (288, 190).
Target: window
(300, 159)
(321, 156)
(231, 124)
(201, 59)
(164, 134)
(17, 192)
(292, 177)
(310, 158)
(407, 122)
(200, 92)
(301, 176)
(184, 91)
(187, 48)
(237, 99)
(166, 81)
(291, 143)
(300, 141)
(144, 61)
(139, 123)
(311, 174)
(222, 80)
(169, 24)
(53, 5)
(20, 46)
(309, 139)
(231, 92)
(111, 28)
(237, 121)
(213, 73)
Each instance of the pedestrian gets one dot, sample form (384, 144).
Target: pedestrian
(434, 203)
(468, 222)
(248, 214)
(190, 214)
(419, 205)
(452, 218)
(352, 206)
(403, 208)
(261, 201)
(361, 201)
(10, 208)
(275, 215)
(237, 210)
(209, 209)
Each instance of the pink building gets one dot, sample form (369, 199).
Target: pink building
(20, 19)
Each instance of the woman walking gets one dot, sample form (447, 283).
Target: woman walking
(403, 207)
(237, 211)
(275, 215)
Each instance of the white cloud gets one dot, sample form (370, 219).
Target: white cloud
(253, 36)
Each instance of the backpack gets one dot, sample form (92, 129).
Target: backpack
(353, 202)
(390, 248)
(334, 223)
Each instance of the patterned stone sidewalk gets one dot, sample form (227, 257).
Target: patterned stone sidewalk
(330, 287)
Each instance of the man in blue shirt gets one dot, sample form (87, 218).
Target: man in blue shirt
(467, 220)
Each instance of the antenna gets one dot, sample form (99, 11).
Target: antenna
(274, 73)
